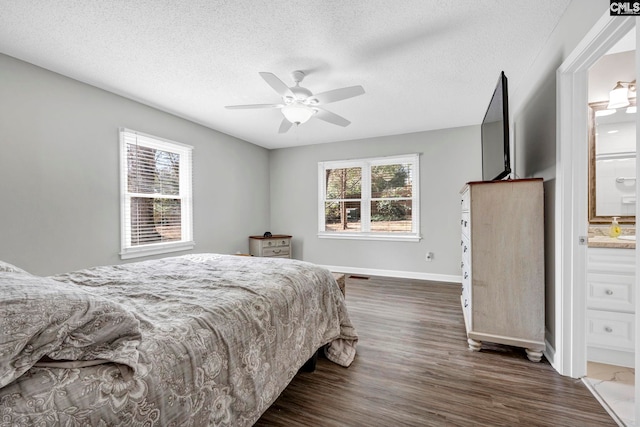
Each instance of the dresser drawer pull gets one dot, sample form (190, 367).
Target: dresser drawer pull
(608, 329)
(464, 249)
(277, 251)
(466, 303)
(466, 275)
(462, 264)
(608, 292)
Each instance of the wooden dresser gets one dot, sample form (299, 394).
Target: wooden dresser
(502, 248)
(278, 245)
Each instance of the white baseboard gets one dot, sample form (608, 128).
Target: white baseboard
(550, 353)
(395, 273)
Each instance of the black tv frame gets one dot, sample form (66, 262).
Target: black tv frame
(501, 88)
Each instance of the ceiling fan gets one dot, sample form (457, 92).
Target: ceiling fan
(299, 104)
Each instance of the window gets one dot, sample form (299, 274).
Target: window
(373, 198)
(155, 176)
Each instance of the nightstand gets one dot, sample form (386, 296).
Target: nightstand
(277, 246)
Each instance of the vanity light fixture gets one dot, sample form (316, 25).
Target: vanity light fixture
(602, 113)
(619, 96)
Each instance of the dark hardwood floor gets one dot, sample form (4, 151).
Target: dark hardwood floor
(414, 368)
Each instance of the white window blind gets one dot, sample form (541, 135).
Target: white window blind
(156, 195)
(376, 198)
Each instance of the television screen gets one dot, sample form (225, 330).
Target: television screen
(495, 135)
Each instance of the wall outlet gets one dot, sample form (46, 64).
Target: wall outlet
(429, 257)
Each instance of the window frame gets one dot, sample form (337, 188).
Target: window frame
(128, 251)
(365, 199)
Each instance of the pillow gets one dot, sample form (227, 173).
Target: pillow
(41, 318)
(9, 268)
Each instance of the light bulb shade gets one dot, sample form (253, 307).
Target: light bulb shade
(602, 113)
(297, 113)
(618, 97)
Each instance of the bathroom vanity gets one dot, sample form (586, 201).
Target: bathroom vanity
(611, 300)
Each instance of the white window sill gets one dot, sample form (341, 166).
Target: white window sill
(155, 249)
(370, 236)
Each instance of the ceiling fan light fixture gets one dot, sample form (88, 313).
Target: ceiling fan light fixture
(297, 113)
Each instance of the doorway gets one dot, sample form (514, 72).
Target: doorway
(571, 216)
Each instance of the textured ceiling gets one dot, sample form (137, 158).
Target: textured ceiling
(424, 64)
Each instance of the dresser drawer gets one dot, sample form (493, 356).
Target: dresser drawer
(465, 199)
(465, 224)
(611, 292)
(465, 249)
(610, 330)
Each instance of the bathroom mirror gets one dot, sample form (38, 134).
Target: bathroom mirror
(612, 163)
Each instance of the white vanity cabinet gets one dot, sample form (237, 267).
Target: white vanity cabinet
(611, 306)
(502, 245)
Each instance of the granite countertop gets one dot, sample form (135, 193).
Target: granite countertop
(599, 238)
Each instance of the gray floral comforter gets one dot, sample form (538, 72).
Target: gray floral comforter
(195, 340)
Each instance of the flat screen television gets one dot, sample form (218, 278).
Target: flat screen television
(496, 162)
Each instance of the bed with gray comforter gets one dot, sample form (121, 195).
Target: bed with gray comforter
(201, 339)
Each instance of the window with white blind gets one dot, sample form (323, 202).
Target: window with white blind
(156, 202)
(376, 198)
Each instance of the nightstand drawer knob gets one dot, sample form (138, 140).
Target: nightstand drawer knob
(608, 329)
(608, 292)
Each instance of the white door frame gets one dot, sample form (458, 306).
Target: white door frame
(571, 217)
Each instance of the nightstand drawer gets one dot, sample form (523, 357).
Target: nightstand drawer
(277, 252)
(270, 243)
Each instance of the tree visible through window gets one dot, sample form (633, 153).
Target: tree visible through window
(369, 198)
(156, 207)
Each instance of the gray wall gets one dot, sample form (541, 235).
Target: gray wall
(449, 158)
(534, 111)
(59, 173)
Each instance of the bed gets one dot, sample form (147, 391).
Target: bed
(201, 339)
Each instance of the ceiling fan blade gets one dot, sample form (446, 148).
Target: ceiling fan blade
(249, 106)
(278, 85)
(338, 94)
(330, 117)
(285, 125)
